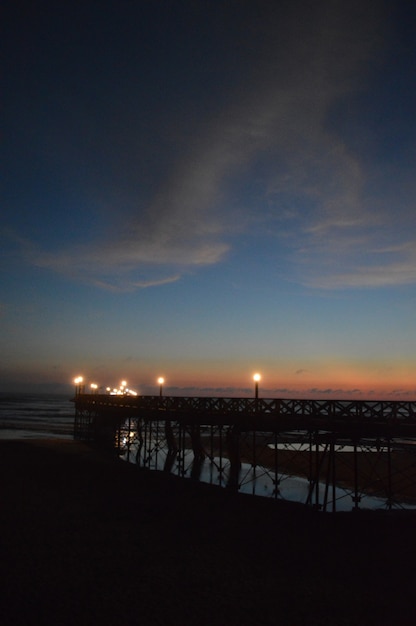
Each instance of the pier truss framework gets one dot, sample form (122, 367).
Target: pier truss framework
(329, 454)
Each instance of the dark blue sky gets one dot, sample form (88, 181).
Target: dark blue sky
(201, 189)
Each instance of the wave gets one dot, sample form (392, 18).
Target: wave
(27, 414)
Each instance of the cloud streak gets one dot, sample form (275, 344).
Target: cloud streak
(372, 269)
(271, 128)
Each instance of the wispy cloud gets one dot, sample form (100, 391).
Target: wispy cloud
(336, 393)
(336, 227)
(403, 393)
(126, 265)
(272, 128)
(374, 268)
(126, 285)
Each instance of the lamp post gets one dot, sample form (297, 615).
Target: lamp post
(78, 383)
(256, 379)
(160, 380)
(94, 387)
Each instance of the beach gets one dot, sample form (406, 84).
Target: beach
(89, 539)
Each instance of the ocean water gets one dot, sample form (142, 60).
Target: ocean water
(24, 415)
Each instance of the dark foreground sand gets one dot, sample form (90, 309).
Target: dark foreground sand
(87, 539)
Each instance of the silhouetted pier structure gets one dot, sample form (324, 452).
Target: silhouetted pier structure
(339, 450)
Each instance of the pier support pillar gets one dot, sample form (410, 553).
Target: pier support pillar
(233, 446)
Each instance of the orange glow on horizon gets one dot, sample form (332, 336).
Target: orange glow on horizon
(308, 378)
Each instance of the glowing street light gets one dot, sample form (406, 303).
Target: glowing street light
(256, 378)
(94, 387)
(160, 380)
(78, 382)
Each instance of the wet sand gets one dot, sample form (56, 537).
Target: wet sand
(373, 469)
(87, 539)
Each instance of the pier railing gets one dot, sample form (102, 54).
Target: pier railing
(398, 417)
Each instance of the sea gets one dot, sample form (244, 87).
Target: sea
(36, 416)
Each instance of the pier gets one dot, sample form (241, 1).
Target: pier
(339, 454)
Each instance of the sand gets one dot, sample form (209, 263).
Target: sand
(87, 539)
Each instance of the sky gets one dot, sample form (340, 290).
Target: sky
(203, 189)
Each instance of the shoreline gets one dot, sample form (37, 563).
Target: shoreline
(86, 537)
